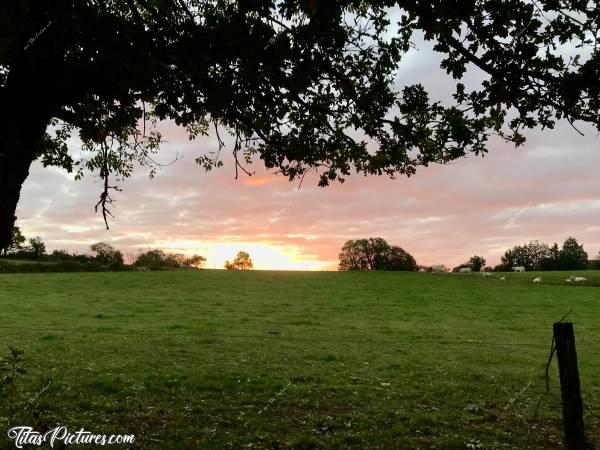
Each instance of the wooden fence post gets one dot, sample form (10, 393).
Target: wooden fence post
(564, 338)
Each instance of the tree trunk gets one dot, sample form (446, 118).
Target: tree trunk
(24, 116)
(29, 98)
(18, 146)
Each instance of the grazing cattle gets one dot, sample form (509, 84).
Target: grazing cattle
(537, 280)
(439, 268)
(487, 274)
(422, 270)
(503, 278)
(576, 279)
(518, 269)
(465, 270)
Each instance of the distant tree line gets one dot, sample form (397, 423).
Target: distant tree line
(540, 256)
(369, 254)
(159, 260)
(31, 256)
(374, 254)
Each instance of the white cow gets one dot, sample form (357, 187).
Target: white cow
(503, 278)
(487, 274)
(465, 270)
(518, 269)
(422, 270)
(439, 268)
(537, 280)
(575, 279)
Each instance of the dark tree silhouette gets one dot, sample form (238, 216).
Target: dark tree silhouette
(16, 242)
(37, 247)
(572, 255)
(156, 260)
(552, 261)
(530, 256)
(539, 256)
(107, 255)
(594, 264)
(476, 263)
(242, 261)
(363, 254)
(288, 79)
(195, 261)
(374, 254)
(400, 259)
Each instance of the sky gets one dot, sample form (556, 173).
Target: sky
(546, 190)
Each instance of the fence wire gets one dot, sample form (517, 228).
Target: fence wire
(277, 336)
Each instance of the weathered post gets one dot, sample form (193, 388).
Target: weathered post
(564, 338)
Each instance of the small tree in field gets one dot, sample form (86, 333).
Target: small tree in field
(180, 258)
(573, 256)
(196, 261)
(38, 248)
(242, 261)
(476, 263)
(107, 255)
(155, 260)
(374, 254)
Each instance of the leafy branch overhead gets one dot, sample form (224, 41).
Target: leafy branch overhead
(303, 85)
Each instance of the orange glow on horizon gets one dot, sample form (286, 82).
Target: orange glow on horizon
(264, 256)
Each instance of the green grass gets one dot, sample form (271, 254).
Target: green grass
(222, 359)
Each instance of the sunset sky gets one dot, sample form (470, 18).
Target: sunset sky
(547, 190)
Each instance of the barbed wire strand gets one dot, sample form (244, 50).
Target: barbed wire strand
(277, 336)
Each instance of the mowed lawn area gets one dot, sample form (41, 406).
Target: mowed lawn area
(222, 359)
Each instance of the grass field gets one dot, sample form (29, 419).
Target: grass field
(220, 359)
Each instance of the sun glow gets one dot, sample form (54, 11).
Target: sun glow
(264, 256)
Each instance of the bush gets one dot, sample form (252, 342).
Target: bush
(156, 260)
(594, 264)
(18, 405)
(59, 266)
(108, 256)
(59, 255)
